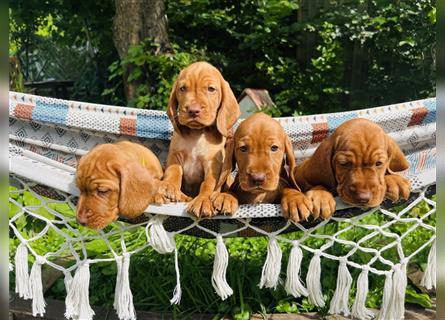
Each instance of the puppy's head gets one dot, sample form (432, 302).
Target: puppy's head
(201, 98)
(355, 159)
(260, 146)
(111, 183)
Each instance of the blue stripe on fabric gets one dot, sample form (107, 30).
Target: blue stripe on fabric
(153, 126)
(47, 110)
(334, 121)
(430, 104)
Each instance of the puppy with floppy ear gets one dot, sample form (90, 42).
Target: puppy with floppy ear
(260, 148)
(358, 162)
(202, 109)
(115, 180)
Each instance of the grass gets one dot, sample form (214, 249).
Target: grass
(152, 275)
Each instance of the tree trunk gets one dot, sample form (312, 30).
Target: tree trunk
(134, 21)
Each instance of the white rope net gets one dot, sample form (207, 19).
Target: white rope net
(42, 203)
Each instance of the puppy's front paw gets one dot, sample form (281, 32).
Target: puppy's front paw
(295, 205)
(225, 203)
(323, 203)
(168, 192)
(397, 187)
(201, 206)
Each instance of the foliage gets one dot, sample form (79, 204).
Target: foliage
(152, 275)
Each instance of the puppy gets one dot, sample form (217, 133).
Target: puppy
(115, 180)
(202, 109)
(260, 148)
(358, 162)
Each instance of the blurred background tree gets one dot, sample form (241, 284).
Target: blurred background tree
(312, 56)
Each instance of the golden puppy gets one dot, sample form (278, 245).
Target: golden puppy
(202, 109)
(116, 179)
(358, 162)
(260, 148)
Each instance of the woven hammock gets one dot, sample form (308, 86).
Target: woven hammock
(48, 136)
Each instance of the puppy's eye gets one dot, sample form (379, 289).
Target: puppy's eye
(345, 164)
(183, 88)
(243, 148)
(211, 89)
(274, 148)
(378, 163)
(102, 192)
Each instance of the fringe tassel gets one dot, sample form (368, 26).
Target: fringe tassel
(161, 240)
(339, 302)
(386, 301)
(123, 298)
(21, 272)
(399, 283)
(429, 277)
(313, 281)
(270, 275)
(77, 300)
(359, 309)
(176, 299)
(35, 285)
(219, 281)
(67, 280)
(293, 284)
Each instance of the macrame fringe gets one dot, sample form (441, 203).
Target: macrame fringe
(21, 272)
(176, 299)
(359, 309)
(270, 275)
(123, 298)
(67, 280)
(429, 277)
(313, 281)
(161, 240)
(386, 300)
(77, 300)
(293, 284)
(220, 264)
(35, 285)
(339, 303)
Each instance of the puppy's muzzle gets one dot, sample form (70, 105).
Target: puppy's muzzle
(257, 178)
(194, 110)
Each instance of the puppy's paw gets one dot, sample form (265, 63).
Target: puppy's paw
(295, 205)
(397, 187)
(168, 192)
(201, 207)
(323, 203)
(225, 203)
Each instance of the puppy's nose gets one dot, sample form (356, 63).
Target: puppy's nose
(194, 110)
(81, 218)
(258, 178)
(363, 197)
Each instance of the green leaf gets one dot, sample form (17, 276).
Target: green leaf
(421, 299)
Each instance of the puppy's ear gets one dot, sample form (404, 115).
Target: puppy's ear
(172, 108)
(228, 111)
(318, 170)
(397, 160)
(228, 164)
(290, 158)
(137, 187)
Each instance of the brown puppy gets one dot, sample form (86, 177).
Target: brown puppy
(358, 162)
(115, 179)
(260, 147)
(202, 109)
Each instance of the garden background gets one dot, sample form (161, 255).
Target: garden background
(312, 56)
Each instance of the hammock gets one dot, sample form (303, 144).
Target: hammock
(48, 136)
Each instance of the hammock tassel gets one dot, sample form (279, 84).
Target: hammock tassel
(386, 301)
(161, 240)
(67, 280)
(176, 299)
(429, 277)
(123, 298)
(35, 285)
(293, 284)
(399, 283)
(219, 281)
(77, 300)
(359, 309)
(21, 272)
(339, 302)
(313, 281)
(270, 275)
